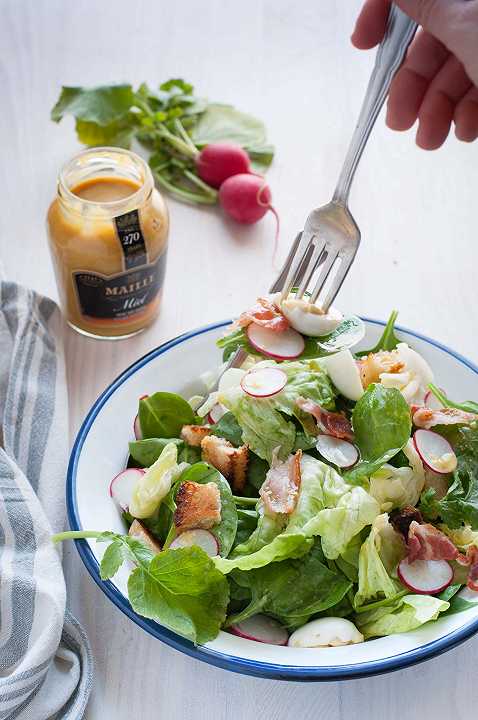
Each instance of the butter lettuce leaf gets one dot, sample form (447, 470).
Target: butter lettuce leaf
(374, 580)
(408, 613)
(278, 538)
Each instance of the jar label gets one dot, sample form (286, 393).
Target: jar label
(131, 238)
(119, 296)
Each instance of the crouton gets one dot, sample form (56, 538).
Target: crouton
(193, 434)
(230, 461)
(138, 531)
(197, 506)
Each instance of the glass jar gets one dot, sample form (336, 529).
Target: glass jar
(108, 231)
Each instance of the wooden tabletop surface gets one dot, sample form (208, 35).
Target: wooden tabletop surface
(292, 65)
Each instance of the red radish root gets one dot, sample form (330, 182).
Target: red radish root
(219, 161)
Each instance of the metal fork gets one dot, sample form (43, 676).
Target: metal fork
(330, 239)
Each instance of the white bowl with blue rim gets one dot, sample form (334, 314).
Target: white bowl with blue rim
(173, 367)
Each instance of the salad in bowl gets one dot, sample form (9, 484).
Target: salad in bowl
(315, 496)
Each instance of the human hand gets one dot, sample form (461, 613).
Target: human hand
(438, 81)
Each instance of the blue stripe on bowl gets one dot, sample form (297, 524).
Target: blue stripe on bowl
(212, 657)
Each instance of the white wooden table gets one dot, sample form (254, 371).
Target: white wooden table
(292, 65)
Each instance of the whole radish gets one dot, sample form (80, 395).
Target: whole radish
(219, 161)
(246, 198)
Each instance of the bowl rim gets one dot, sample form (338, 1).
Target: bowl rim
(200, 652)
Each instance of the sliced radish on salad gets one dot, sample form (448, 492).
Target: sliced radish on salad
(341, 453)
(435, 451)
(261, 628)
(264, 382)
(216, 413)
(285, 345)
(201, 538)
(426, 577)
(122, 486)
(431, 401)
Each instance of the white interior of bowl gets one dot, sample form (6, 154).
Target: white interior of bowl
(105, 448)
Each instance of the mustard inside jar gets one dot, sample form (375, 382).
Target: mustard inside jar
(108, 233)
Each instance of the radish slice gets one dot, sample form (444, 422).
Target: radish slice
(341, 453)
(261, 628)
(431, 401)
(202, 538)
(425, 577)
(264, 382)
(278, 345)
(136, 425)
(216, 413)
(122, 486)
(435, 451)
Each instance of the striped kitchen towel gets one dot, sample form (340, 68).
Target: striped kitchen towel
(45, 660)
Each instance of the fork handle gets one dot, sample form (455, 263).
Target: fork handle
(390, 54)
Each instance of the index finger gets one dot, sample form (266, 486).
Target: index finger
(371, 24)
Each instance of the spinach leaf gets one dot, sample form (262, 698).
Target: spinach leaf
(467, 405)
(256, 470)
(350, 332)
(146, 452)
(381, 422)
(228, 427)
(459, 604)
(246, 524)
(292, 590)
(388, 340)
(450, 591)
(163, 414)
(225, 531)
(460, 504)
(234, 340)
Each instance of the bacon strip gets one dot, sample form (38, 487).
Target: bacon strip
(264, 313)
(280, 489)
(424, 417)
(330, 423)
(471, 560)
(425, 542)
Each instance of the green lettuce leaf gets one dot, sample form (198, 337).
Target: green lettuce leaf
(263, 427)
(374, 580)
(409, 613)
(272, 542)
(396, 487)
(338, 525)
(153, 486)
